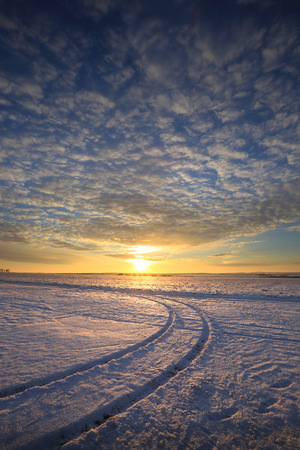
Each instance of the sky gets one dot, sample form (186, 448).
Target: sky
(149, 135)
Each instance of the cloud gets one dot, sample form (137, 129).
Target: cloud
(78, 246)
(264, 3)
(123, 256)
(293, 228)
(33, 255)
(7, 24)
(147, 129)
(12, 233)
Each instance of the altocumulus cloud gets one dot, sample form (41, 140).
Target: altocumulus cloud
(165, 123)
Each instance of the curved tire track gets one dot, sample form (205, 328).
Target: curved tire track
(58, 376)
(122, 404)
(118, 383)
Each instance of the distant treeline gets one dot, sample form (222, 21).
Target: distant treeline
(284, 275)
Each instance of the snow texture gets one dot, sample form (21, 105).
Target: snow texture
(149, 362)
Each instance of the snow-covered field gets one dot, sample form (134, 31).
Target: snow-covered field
(149, 362)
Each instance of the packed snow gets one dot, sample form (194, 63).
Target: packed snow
(111, 362)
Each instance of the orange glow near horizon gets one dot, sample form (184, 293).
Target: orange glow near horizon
(138, 259)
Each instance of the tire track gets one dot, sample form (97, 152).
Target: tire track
(117, 384)
(122, 404)
(81, 368)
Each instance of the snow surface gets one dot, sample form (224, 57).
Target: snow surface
(149, 362)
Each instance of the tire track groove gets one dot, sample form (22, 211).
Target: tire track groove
(81, 368)
(122, 404)
(121, 382)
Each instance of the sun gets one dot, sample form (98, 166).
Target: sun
(140, 264)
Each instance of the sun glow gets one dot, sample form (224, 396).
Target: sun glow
(140, 264)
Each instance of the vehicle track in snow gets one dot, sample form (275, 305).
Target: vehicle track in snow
(122, 404)
(43, 381)
(89, 397)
